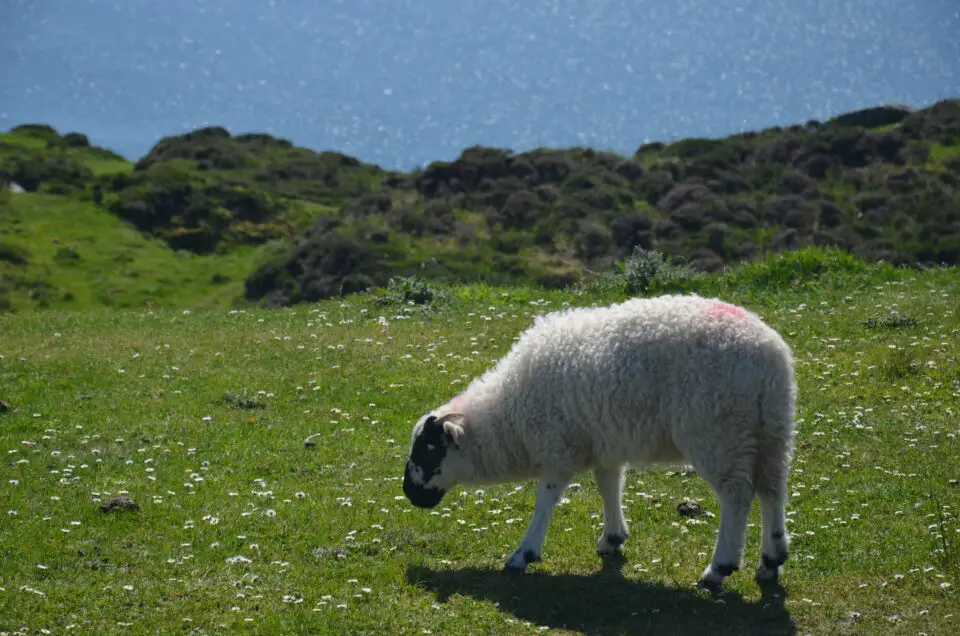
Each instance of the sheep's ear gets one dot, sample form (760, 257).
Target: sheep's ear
(451, 427)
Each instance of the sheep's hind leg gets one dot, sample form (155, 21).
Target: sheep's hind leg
(549, 492)
(775, 545)
(736, 497)
(610, 484)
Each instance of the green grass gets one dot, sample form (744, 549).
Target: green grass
(941, 154)
(111, 401)
(80, 256)
(98, 160)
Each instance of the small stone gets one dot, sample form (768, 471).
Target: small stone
(4, 406)
(120, 502)
(690, 509)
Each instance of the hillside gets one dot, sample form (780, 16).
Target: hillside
(883, 184)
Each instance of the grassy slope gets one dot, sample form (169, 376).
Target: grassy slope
(98, 161)
(81, 256)
(334, 547)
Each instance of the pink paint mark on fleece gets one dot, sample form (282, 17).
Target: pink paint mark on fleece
(719, 309)
(458, 403)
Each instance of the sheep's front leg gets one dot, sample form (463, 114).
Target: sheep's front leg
(549, 492)
(610, 485)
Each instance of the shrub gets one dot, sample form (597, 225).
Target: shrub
(14, 254)
(648, 270)
(76, 140)
(31, 169)
(593, 239)
(411, 290)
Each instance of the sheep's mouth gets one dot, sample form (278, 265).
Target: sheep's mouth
(422, 497)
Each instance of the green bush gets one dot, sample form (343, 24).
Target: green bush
(649, 270)
(14, 254)
(31, 169)
(411, 290)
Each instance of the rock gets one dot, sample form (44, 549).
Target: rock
(119, 503)
(690, 509)
(241, 402)
(310, 442)
(4, 407)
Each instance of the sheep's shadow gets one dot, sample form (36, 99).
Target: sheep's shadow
(606, 602)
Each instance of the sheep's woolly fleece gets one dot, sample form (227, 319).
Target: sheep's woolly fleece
(647, 380)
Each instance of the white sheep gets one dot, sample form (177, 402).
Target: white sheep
(662, 380)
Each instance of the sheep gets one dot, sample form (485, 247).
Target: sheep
(666, 380)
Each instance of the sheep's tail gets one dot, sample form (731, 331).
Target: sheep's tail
(776, 432)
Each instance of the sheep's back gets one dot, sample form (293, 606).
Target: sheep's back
(633, 377)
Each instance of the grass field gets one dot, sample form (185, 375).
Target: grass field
(201, 417)
(75, 255)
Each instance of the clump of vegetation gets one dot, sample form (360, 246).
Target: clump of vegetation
(14, 254)
(893, 321)
(647, 270)
(412, 290)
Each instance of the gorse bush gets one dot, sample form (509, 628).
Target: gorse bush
(649, 270)
(411, 290)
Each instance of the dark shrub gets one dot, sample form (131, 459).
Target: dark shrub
(718, 237)
(496, 192)
(548, 193)
(830, 214)
(682, 194)
(14, 254)
(690, 217)
(777, 208)
(438, 217)
(651, 148)
(521, 209)
(655, 184)
(553, 166)
(38, 131)
(556, 279)
(593, 239)
(76, 140)
(665, 229)
(407, 219)
(373, 203)
(630, 169)
(788, 239)
(795, 182)
(508, 242)
(30, 169)
(324, 264)
(522, 169)
(632, 229)
(706, 261)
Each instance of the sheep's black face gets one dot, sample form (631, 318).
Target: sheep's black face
(425, 481)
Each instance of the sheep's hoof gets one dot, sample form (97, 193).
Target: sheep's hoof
(520, 558)
(769, 570)
(713, 577)
(610, 545)
(765, 575)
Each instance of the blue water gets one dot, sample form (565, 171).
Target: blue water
(405, 82)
